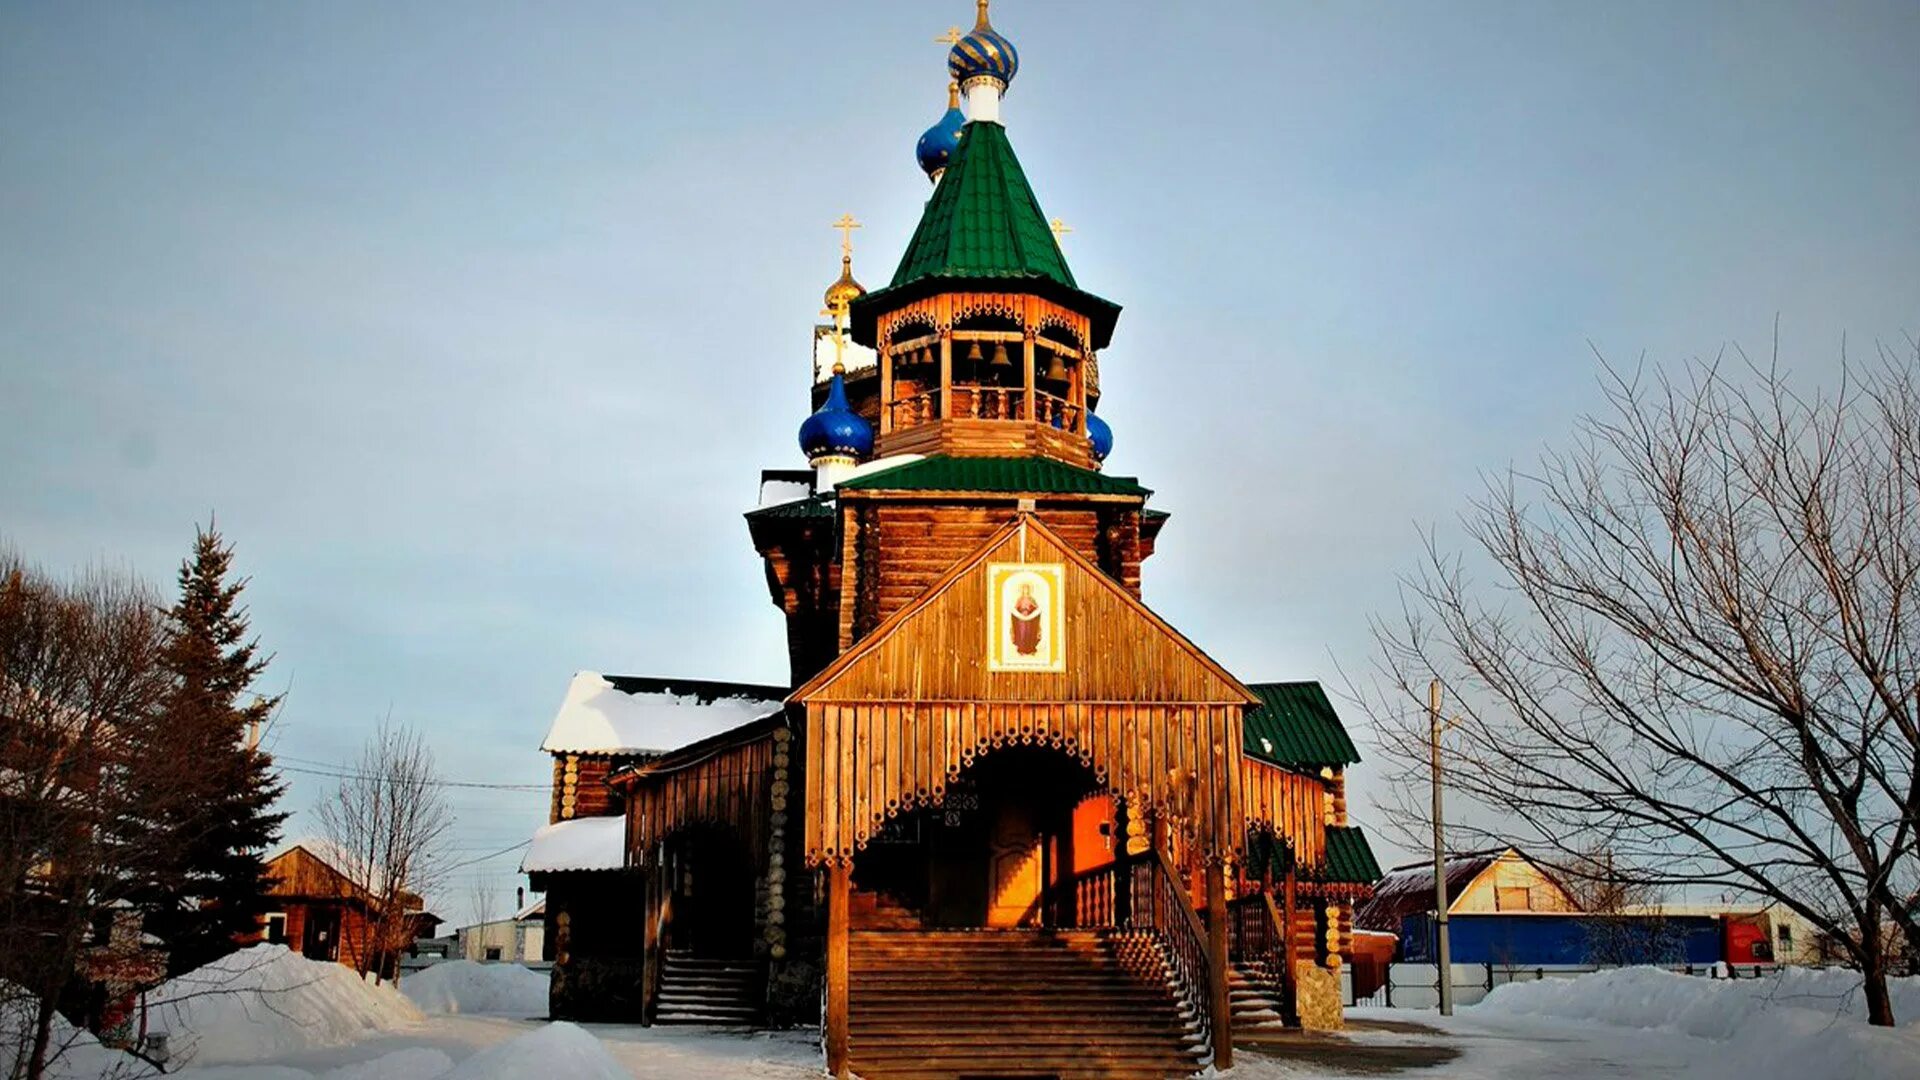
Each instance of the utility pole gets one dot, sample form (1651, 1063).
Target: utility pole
(1443, 954)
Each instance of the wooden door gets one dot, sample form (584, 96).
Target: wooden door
(1014, 867)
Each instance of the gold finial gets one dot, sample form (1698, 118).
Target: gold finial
(843, 292)
(982, 22)
(953, 94)
(1060, 229)
(951, 37)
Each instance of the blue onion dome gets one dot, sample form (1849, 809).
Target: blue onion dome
(1100, 435)
(836, 429)
(984, 53)
(943, 138)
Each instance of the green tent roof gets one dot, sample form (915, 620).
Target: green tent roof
(983, 227)
(1350, 858)
(1295, 727)
(1009, 475)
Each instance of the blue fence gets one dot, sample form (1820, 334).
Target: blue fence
(1541, 938)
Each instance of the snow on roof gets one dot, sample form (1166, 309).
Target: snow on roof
(594, 843)
(1408, 890)
(651, 716)
(538, 907)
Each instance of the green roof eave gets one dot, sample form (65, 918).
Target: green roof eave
(814, 506)
(1296, 727)
(997, 475)
(863, 317)
(1350, 858)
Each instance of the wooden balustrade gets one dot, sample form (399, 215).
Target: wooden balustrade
(986, 403)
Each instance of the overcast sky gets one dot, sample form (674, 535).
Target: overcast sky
(475, 323)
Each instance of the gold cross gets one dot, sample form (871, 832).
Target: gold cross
(951, 37)
(1060, 229)
(846, 225)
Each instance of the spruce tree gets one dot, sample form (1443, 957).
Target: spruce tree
(210, 889)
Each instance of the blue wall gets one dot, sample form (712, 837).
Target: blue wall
(1566, 939)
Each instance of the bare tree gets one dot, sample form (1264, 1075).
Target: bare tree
(80, 685)
(1699, 650)
(388, 823)
(483, 898)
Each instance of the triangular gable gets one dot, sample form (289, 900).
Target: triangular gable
(935, 648)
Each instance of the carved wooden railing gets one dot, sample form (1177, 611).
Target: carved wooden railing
(986, 403)
(1143, 893)
(1256, 936)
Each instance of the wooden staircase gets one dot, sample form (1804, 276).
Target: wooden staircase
(1080, 1004)
(699, 991)
(1256, 998)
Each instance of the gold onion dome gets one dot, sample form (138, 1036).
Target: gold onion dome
(846, 290)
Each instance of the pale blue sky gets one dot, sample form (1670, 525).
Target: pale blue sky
(475, 322)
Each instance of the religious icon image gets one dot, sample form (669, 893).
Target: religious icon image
(1025, 624)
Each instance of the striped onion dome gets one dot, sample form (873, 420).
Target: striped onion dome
(983, 53)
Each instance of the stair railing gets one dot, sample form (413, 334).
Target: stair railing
(1169, 914)
(1256, 935)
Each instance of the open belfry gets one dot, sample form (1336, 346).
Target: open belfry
(1002, 819)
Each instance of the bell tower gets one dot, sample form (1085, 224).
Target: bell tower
(980, 400)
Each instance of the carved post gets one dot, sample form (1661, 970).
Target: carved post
(650, 952)
(1288, 908)
(885, 348)
(839, 895)
(1216, 871)
(946, 374)
(1027, 360)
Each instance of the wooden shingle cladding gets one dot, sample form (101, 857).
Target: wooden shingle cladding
(900, 714)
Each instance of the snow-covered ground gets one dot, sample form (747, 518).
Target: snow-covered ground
(267, 1014)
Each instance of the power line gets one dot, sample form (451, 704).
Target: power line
(336, 774)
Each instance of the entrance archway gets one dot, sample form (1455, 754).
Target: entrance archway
(999, 850)
(708, 883)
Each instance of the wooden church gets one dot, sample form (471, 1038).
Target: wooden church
(1003, 819)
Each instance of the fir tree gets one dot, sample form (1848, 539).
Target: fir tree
(208, 892)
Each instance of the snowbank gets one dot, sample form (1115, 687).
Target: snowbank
(267, 1002)
(462, 986)
(1802, 1023)
(558, 1049)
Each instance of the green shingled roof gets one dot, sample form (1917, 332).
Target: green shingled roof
(1295, 727)
(983, 227)
(1009, 475)
(983, 220)
(1349, 857)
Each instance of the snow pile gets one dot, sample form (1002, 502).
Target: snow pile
(462, 986)
(1802, 1023)
(558, 1049)
(594, 843)
(598, 717)
(266, 1002)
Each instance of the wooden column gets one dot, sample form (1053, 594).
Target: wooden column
(1079, 396)
(1026, 354)
(886, 385)
(1216, 871)
(650, 952)
(1289, 906)
(839, 894)
(946, 374)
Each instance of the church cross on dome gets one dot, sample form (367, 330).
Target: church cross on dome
(846, 225)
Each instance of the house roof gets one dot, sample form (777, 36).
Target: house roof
(630, 714)
(1350, 858)
(1295, 727)
(1000, 475)
(1408, 890)
(592, 843)
(983, 227)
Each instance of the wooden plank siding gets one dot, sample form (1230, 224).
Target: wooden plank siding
(896, 718)
(1294, 804)
(729, 788)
